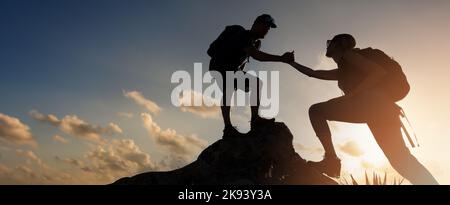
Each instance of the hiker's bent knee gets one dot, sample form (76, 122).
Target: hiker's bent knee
(316, 110)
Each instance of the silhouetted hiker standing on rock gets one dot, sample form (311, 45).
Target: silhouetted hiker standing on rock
(372, 83)
(230, 52)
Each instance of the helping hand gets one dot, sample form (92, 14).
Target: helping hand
(288, 57)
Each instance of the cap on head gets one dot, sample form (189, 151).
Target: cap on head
(267, 20)
(346, 40)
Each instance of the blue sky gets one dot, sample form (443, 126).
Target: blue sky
(81, 57)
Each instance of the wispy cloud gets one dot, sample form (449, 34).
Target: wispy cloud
(60, 139)
(32, 158)
(303, 148)
(101, 164)
(105, 161)
(14, 131)
(351, 148)
(139, 99)
(71, 161)
(125, 115)
(75, 126)
(117, 158)
(33, 171)
(171, 140)
(207, 109)
(26, 174)
(179, 149)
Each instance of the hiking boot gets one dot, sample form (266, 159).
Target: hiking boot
(259, 121)
(230, 132)
(330, 166)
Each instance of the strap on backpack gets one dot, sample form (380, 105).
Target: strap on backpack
(403, 114)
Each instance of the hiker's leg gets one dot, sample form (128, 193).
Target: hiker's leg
(226, 102)
(337, 109)
(256, 94)
(226, 115)
(389, 137)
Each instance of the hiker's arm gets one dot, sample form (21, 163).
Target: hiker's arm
(374, 72)
(262, 56)
(319, 74)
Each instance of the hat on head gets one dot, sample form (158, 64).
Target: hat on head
(266, 19)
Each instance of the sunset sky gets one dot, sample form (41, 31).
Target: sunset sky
(85, 85)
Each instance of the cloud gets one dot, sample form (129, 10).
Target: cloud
(101, 164)
(203, 110)
(125, 114)
(115, 159)
(351, 148)
(31, 158)
(75, 126)
(5, 175)
(71, 124)
(173, 161)
(18, 175)
(27, 171)
(139, 99)
(58, 138)
(51, 119)
(104, 162)
(301, 147)
(34, 171)
(71, 161)
(27, 174)
(171, 140)
(367, 165)
(14, 131)
(181, 148)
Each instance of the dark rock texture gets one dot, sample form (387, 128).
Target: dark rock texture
(265, 156)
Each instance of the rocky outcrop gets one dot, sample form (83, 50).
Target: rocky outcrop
(264, 156)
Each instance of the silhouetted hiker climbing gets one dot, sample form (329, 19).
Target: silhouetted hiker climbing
(372, 82)
(231, 51)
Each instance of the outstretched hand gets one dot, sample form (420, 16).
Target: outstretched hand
(288, 57)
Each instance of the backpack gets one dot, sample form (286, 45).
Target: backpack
(220, 47)
(394, 83)
(227, 52)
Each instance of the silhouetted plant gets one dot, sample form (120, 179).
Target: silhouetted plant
(376, 180)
